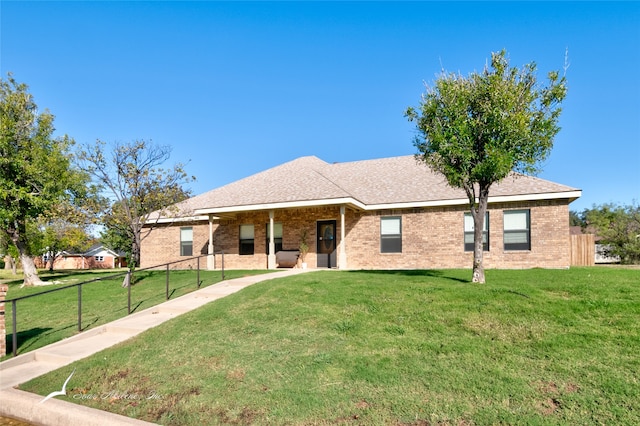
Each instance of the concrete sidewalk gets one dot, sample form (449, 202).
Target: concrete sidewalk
(23, 405)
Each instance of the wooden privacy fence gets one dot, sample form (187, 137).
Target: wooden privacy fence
(583, 250)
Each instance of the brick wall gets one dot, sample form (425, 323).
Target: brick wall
(431, 238)
(76, 262)
(162, 244)
(434, 238)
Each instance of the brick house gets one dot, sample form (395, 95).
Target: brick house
(97, 257)
(374, 214)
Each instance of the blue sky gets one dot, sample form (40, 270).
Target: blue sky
(239, 87)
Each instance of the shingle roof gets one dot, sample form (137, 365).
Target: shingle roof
(369, 183)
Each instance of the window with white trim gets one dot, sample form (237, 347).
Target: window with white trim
(277, 236)
(246, 239)
(468, 232)
(391, 234)
(517, 230)
(186, 241)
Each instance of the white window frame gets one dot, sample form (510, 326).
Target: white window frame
(186, 241)
(247, 240)
(391, 234)
(468, 232)
(517, 230)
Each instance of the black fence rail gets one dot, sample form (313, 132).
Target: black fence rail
(128, 281)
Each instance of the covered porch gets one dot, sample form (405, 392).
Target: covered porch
(272, 237)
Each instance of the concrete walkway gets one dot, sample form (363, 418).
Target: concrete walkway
(25, 406)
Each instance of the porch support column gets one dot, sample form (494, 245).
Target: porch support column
(342, 249)
(211, 258)
(271, 256)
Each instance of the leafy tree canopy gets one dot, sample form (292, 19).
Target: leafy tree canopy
(36, 177)
(618, 226)
(476, 130)
(134, 179)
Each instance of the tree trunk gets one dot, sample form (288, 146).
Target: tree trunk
(52, 258)
(135, 246)
(478, 213)
(478, 267)
(29, 269)
(135, 253)
(10, 263)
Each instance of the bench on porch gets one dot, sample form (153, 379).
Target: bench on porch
(287, 258)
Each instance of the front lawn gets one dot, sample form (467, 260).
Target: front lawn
(387, 348)
(45, 319)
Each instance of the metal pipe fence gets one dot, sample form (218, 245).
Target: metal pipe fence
(128, 279)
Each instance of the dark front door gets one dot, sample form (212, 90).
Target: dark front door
(326, 244)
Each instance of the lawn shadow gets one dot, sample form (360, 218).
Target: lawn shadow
(138, 277)
(434, 273)
(134, 308)
(12, 281)
(90, 323)
(26, 338)
(90, 274)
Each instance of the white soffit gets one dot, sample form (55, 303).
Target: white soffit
(177, 219)
(360, 206)
(572, 195)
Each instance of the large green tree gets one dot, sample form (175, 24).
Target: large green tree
(618, 226)
(35, 169)
(137, 184)
(476, 130)
(54, 236)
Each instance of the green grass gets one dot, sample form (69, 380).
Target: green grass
(54, 316)
(532, 347)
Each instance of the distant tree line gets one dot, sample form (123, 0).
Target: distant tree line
(617, 226)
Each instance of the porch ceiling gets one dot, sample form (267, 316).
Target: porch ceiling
(231, 211)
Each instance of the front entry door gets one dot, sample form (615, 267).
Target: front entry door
(326, 244)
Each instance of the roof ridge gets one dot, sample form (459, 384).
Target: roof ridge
(337, 185)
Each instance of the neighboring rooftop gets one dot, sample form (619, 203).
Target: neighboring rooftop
(369, 184)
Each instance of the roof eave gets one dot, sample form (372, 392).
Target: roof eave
(203, 214)
(164, 220)
(570, 195)
(350, 201)
(98, 250)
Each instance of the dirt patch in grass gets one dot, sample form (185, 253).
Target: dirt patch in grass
(551, 395)
(549, 406)
(237, 375)
(361, 405)
(504, 330)
(552, 388)
(246, 416)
